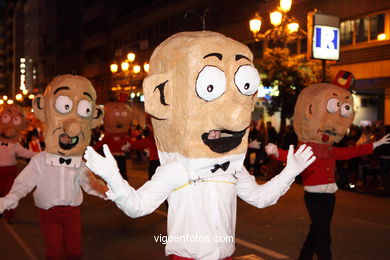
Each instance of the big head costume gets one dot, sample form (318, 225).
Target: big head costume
(323, 113)
(68, 110)
(12, 121)
(200, 97)
(117, 118)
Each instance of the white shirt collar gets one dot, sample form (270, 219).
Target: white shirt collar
(54, 160)
(196, 165)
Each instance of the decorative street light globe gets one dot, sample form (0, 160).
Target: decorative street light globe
(125, 66)
(285, 5)
(114, 68)
(137, 69)
(255, 24)
(293, 27)
(276, 18)
(131, 56)
(146, 67)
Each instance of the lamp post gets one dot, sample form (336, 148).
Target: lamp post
(284, 74)
(285, 29)
(128, 74)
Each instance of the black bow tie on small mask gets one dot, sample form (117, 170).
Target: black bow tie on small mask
(63, 160)
(223, 166)
(5, 144)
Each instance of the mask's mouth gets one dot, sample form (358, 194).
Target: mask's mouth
(119, 125)
(326, 134)
(222, 141)
(66, 142)
(3, 135)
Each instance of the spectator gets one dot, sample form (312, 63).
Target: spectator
(254, 152)
(272, 134)
(34, 144)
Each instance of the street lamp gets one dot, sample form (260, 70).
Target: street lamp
(128, 72)
(114, 67)
(284, 30)
(19, 97)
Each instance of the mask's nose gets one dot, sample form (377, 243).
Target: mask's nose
(72, 128)
(234, 116)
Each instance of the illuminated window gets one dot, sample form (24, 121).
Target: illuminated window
(346, 32)
(377, 26)
(362, 29)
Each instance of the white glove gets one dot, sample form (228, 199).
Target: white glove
(125, 147)
(105, 167)
(254, 144)
(299, 161)
(2, 205)
(7, 203)
(383, 140)
(272, 149)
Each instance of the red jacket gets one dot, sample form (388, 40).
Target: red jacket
(322, 170)
(148, 142)
(114, 142)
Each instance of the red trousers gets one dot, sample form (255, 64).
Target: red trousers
(61, 230)
(7, 178)
(175, 257)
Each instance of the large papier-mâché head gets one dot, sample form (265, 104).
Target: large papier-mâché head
(323, 113)
(68, 111)
(200, 91)
(12, 121)
(117, 117)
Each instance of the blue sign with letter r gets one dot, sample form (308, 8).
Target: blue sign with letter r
(326, 38)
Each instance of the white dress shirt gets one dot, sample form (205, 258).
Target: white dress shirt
(202, 204)
(9, 152)
(55, 183)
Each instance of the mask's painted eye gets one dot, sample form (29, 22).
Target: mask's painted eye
(346, 110)
(333, 105)
(123, 114)
(84, 109)
(117, 114)
(5, 119)
(17, 121)
(63, 104)
(247, 80)
(211, 83)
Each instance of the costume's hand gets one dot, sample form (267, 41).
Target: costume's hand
(7, 203)
(272, 149)
(125, 147)
(383, 140)
(299, 161)
(1, 205)
(254, 144)
(105, 167)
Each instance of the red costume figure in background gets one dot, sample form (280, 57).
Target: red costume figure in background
(117, 117)
(323, 113)
(148, 143)
(12, 121)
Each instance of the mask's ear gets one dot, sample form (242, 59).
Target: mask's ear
(158, 95)
(97, 117)
(309, 110)
(38, 106)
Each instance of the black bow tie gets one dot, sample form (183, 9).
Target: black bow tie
(223, 166)
(63, 160)
(5, 144)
